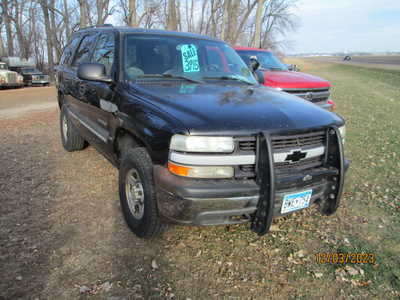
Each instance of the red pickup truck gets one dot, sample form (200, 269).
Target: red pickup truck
(277, 75)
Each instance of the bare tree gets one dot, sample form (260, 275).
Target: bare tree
(172, 22)
(257, 32)
(49, 40)
(132, 17)
(66, 19)
(83, 13)
(248, 10)
(103, 11)
(278, 19)
(2, 47)
(7, 24)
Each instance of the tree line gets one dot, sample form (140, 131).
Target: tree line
(41, 28)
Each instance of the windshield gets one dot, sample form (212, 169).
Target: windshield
(266, 59)
(184, 58)
(29, 70)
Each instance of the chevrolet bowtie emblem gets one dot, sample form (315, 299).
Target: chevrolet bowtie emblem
(309, 96)
(295, 156)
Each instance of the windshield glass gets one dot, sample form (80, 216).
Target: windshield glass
(267, 60)
(29, 70)
(187, 58)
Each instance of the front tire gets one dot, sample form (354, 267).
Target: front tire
(137, 193)
(70, 137)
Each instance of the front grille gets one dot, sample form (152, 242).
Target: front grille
(313, 95)
(247, 145)
(284, 143)
(309, 140)
(247, 168)
(11, 77)
(287, 167)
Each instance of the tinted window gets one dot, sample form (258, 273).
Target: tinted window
(69, 49)
(83, 52)
(104, 51)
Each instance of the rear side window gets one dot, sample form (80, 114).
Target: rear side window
(69, 50)
(104, 51)
(83, 52)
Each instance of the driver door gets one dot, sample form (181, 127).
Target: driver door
(100, 106)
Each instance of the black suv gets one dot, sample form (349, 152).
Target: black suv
(197, 140)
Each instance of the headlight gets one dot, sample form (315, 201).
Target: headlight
(216, 144)
(201, 171)
(20, 78)
(342, 131)
(2, 79)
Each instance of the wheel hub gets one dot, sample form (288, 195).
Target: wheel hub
(65, 127)
(134, 193)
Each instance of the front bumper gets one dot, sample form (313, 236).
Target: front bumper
(33, 82)
(11, 84)
(222, 202)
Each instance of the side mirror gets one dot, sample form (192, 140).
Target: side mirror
(292, 67)
(254, 63)
(93, 72)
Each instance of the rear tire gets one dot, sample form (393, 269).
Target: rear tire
(137, 193)
(70, 137)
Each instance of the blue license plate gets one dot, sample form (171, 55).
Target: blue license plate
(296, 201)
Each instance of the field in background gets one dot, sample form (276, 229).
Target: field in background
(390, 62)
(62, 233)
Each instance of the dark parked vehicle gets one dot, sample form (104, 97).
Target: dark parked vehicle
(32, 76)
(195, 142)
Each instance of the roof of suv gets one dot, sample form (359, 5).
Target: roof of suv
(127, 29)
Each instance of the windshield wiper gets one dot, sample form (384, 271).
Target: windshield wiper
(170, 76)
(274, 68)
(227, 77)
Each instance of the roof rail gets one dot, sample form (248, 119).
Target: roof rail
(97, 26)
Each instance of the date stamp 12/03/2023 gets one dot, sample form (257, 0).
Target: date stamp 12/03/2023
(344, 258)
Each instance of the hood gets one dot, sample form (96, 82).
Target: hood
(293, 80)
(216, 109)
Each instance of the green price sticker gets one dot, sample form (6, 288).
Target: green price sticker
(190, 60)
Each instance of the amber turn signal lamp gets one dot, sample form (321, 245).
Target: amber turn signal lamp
(178, 170)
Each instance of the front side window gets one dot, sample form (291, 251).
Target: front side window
(266, 59)
(83, 52)
(170, 56)
(69, 49)
(104, 51)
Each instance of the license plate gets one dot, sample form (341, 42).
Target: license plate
(292, 202)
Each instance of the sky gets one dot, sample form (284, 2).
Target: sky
(346, 25)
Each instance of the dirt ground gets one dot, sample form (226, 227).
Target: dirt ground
(62, 235)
